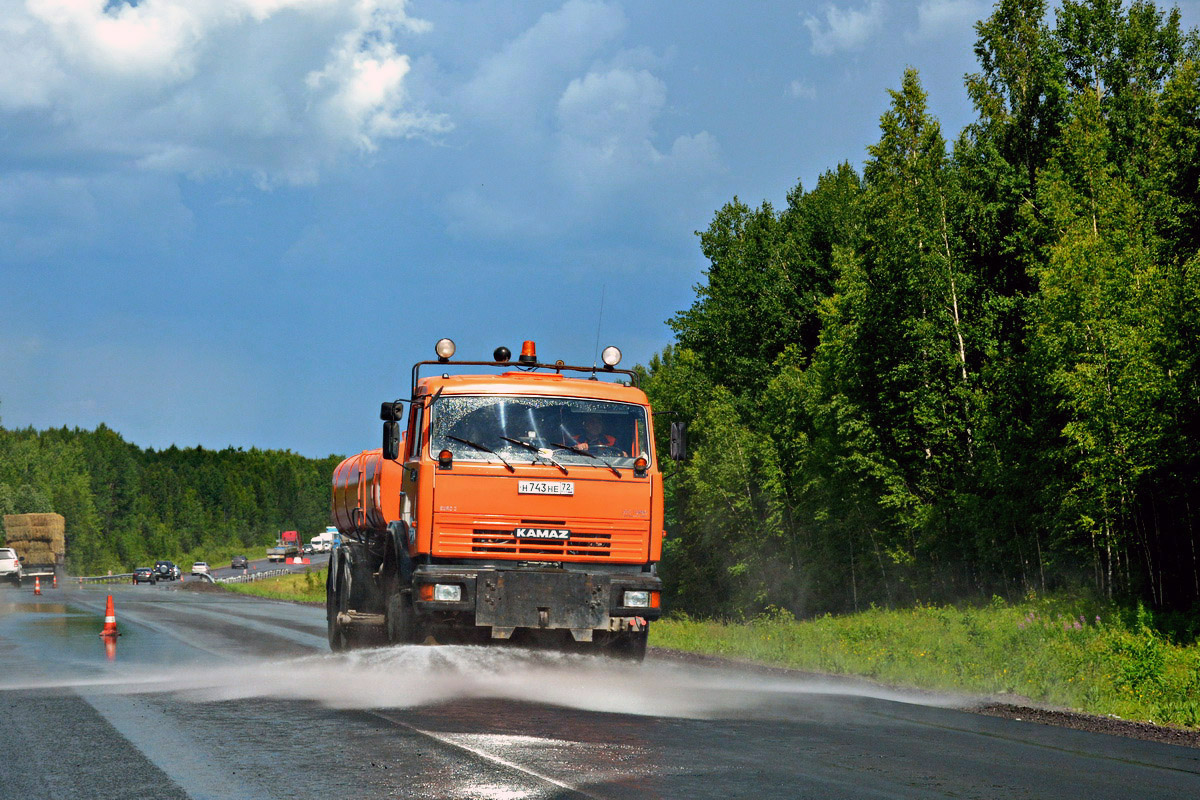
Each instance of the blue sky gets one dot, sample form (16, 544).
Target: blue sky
(239, 222)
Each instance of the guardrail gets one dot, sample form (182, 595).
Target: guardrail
(124, 576)
(257, 575)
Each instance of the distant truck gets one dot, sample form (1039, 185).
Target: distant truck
(286, 546)
(39, 541)
(324, 542)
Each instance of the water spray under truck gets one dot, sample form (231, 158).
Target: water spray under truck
(524, 505)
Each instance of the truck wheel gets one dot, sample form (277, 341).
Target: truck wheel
(336, 598)
(630, 646)
(345, 637)
(403, 626)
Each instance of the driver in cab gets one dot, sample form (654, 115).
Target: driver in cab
(594, 434)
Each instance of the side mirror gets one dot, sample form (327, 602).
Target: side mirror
(678, 441)
(392, 411)
(391, 440)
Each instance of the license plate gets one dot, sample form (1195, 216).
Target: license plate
(542, 533)
(545, 487)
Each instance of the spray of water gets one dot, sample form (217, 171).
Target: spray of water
(404, 677)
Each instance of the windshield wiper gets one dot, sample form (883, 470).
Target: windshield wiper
(574, 449)
(485, 449)
(537, 451)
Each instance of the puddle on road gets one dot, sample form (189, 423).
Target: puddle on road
(407, 677)
(34, 608)
(64, 641)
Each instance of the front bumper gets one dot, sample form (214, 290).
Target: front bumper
(545, 599)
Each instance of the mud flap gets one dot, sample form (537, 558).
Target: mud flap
(547, 600)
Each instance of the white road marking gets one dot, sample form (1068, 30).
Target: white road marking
(484, 755)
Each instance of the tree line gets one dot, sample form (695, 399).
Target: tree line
(972, 368)
(126, 507)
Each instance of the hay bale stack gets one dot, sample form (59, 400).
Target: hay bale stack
(41, 534)
(37, 553)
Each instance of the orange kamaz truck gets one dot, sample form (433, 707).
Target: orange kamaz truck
(511, 500)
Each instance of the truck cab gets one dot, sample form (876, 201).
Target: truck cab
(522, 505)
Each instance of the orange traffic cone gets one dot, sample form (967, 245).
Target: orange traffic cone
(110, 620)
(55, 584)
(37, 584)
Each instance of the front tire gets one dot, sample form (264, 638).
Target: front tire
(630, 645)
(403, 624)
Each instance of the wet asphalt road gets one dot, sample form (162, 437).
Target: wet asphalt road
(216, 696)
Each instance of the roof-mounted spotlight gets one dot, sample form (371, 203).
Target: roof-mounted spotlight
(611, 356)
(502, 354)
(528, 352)
(444, 349)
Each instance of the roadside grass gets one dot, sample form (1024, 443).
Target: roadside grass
(1059, 651)
(308, 586)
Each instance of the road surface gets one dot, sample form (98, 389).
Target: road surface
(211, 695)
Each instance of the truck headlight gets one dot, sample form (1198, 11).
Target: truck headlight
(447, 593)
(636, 599)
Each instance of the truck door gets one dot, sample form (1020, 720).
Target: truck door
(414, 444)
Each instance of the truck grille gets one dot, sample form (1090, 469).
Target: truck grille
(485, 540)
(590, 540)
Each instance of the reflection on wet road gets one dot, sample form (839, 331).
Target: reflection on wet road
(220, 696)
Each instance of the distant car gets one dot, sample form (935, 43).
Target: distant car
(167, 571)
(10, 566)
(200, 568)
(308, 550)
(239, 562)
(145, 575)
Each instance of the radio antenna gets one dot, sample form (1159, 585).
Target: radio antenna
(596, 352)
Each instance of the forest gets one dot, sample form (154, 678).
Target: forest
(969, 370)
(128, 507)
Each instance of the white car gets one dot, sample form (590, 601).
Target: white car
(200, 568)
(10, 566)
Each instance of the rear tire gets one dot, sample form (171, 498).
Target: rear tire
(346, 637)
(334, 603)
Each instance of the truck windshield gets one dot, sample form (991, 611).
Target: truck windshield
(570, 431)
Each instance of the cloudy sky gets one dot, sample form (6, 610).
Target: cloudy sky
(239, 222)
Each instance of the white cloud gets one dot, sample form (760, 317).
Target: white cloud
(581, 116)
(514, 87)
(277, 88)
(844, 29)
(606, 127)
(615, 105)
(798, 89)
(936, 18)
